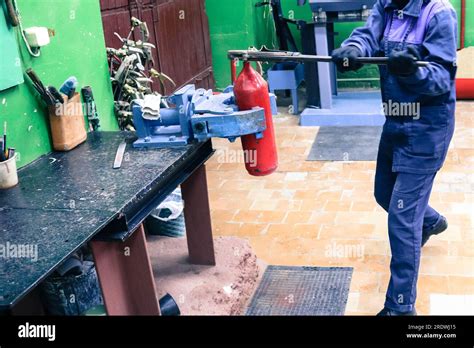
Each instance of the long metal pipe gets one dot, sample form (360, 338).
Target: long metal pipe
(272, 56)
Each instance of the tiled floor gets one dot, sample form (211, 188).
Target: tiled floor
(324, 214)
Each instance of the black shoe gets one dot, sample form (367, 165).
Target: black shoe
(387, 312)
(440, 227)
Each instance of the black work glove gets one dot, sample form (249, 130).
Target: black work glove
(345, 58)
(403, 63)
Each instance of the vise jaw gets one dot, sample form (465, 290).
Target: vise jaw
(196, 115)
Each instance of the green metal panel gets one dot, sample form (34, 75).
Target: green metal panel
(232, 26)
(10, 67)
(469, 23)
(77, 49)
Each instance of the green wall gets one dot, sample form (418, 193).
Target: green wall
(232, 26)
(238, 25)
(469, 22)
(78, 49)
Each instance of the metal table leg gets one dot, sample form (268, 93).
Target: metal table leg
(126, 276)
(324, 69)
(198, 218)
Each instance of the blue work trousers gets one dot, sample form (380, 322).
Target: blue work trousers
(405, 197)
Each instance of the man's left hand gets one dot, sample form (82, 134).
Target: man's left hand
(403, 63)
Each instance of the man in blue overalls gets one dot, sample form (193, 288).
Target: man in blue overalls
(412, 149)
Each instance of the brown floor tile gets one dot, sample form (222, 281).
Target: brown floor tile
(298, 217)
(437, 284)
(304, 213)
(461, 285)
(364, 282)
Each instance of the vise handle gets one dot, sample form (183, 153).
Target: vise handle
(285, 56)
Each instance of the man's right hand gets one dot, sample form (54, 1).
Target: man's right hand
(345, 58)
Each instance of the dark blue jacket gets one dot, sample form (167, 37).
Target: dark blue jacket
(419, 143)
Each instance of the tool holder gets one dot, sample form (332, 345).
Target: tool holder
(68, 128)
(8, 173)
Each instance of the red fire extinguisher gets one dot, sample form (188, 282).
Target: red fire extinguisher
(251, 90)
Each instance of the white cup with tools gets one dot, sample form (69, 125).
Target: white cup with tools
(8, 173)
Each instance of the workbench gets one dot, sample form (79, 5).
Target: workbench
(65, 200)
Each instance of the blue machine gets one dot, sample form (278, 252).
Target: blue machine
(327, 107)
(287, 76)
(197, 114)
(339, 5)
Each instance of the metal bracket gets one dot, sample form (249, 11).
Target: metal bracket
(230, 126)
(201, 115)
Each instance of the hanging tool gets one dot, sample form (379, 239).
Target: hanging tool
(5, 152)
(55, 93)
(69, 87)
(12, 13)
(5, 148)
(91, 108)
(3, 144)
(39, 86)
(11, 152)
(266, 55)
(2, 155)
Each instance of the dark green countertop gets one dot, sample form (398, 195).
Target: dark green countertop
(65, 199)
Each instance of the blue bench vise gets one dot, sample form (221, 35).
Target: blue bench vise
(197, 114)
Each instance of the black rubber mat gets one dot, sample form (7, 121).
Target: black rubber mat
(355, 143)
(289, 290)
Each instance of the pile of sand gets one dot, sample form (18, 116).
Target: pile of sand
(223, 289)
(465, 63)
